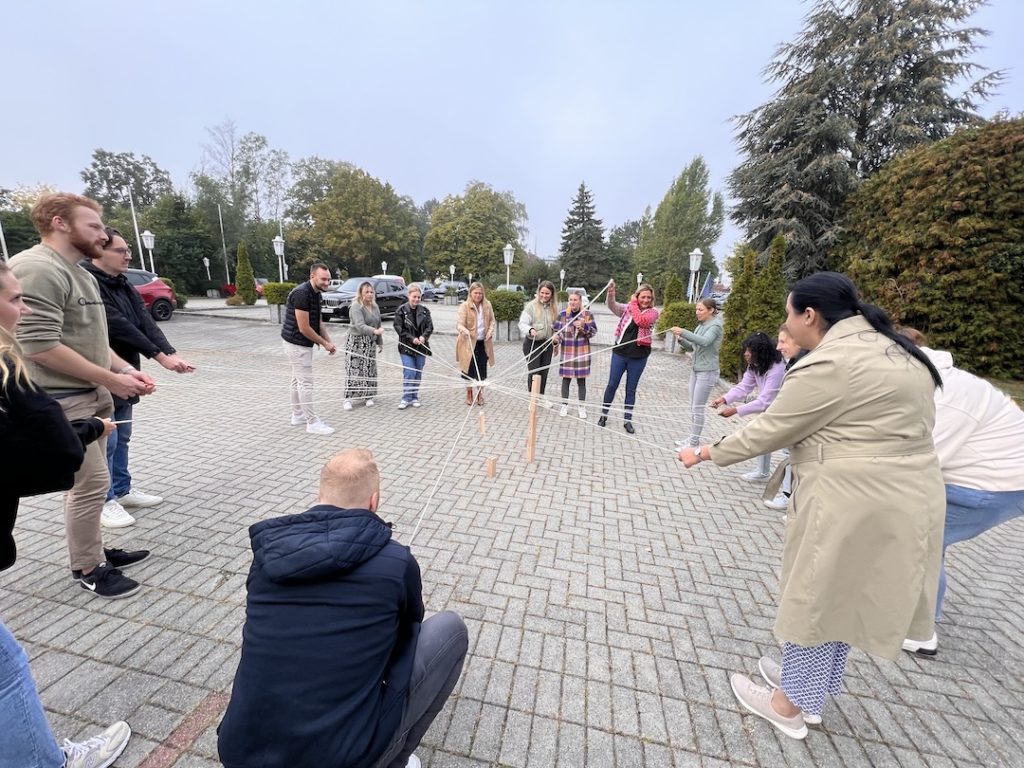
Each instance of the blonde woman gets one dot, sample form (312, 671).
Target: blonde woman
(537, 325)
(474, 348)
(42, 452)
(365, 338)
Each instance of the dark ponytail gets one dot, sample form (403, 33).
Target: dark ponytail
(834, 297)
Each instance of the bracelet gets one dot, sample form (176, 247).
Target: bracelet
(127, 369)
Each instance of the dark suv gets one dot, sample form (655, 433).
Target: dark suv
(390, 296)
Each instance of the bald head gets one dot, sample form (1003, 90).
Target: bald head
(351, 480)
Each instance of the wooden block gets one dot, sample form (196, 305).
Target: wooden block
(492, 466)
(483, 425)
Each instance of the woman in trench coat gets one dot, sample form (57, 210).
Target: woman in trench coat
(863, 539)
(474, 347)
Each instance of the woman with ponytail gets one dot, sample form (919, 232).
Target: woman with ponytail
(863, 544)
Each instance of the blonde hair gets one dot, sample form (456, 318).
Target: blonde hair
(349, 479)
(472, 287)
(12, 359)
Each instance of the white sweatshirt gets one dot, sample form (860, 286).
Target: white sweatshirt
(979, 431)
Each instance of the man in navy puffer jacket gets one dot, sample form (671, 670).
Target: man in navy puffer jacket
(338, 666)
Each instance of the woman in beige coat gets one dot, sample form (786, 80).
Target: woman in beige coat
(474, 348)
(863, 539)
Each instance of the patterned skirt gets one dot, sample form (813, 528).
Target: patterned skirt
(360, 367)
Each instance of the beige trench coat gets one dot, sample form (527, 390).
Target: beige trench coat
(464, 344)
(863, 543)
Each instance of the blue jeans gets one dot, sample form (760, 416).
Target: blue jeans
(412, 374)
(26, 740)
(632, 367)
(117, 453)
(970, 513)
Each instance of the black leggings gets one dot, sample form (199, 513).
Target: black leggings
(581, 385)
(538, 360)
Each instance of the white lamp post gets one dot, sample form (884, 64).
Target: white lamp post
(149, 239)
(383, 267)
(639, 279)
(451, 271)
(471, 277)
(696, 255)
(561, 280)
(224, 245)
(278, 242)
(508, 252)
(206, 263)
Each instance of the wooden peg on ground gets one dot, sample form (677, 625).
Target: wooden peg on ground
(492, 466)
(531, 432)
(483, 424)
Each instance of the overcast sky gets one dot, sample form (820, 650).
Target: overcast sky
(531, 97)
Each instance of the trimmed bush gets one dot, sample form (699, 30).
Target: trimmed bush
(180, 299)
(277, 293)
(245, 281)
(235, 301)
(673, 290)
(677, 314)
(508, 305)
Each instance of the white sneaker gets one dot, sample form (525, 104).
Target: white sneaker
(115, 516)
(413, 762)
(582, 412)
(297, 420)
(136, 498)
(370, 403)
(99, 751)
(415, 403)
(347, 405)
(928, 647)
(754, 477)
(319, 427)
(402, 405)
(779, 502)
(683, 444)
(564, 411)
(545, 403)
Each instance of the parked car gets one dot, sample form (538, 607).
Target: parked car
(429, 292)
(511, 287)
(390, 296)
(583, 291)
(396, 278)
(461, 289)
(156, 294)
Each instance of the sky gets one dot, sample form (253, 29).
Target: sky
(529, 97)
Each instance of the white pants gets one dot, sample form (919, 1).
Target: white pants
(301, 387)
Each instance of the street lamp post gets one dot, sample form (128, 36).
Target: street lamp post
(206, 263)
(696, 255)
(639, 279)
(278, 242)
(561, 280)
(224, 245)
(383, 267)
(508, 252)
(149, 239)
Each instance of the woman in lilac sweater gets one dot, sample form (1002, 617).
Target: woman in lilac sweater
(765, 369)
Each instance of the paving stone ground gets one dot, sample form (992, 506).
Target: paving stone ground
(609, 592)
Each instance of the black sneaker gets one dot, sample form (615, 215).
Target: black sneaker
(107, 581)
(118, 558)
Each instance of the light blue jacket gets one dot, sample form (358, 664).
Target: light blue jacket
(707, 341)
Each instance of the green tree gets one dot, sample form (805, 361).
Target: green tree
(245, 281)
(19, 231)
(937, 239)
(743, 268)
(622, 244)
(582, 254)
(362, 222)
(766, 306)
(111, 174)
(311, 181)
(864, 81)
(471, 230)
(673, 290)
(689, 216)
(182, 240)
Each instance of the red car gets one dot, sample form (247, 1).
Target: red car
(156, 294)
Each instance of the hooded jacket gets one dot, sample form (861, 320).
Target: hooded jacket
(332, 617)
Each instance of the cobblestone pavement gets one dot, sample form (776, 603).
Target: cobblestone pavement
(609, 592)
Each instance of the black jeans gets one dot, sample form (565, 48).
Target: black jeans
(538, 360)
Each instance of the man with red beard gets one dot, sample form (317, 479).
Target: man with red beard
(65, 340)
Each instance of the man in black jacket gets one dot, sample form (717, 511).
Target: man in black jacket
(338, 666)
(132, 333)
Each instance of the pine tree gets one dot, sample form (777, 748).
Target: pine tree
(766, 310)
(864, 81)
(245, 281)
(583, 251)
(735, 326)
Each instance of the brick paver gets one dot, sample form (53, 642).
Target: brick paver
(608, 592)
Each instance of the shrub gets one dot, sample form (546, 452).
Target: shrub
(180, 299)
(678, 313)
(245, 281)
(673, 290)
(936, 238)
(277, 293)
(508, 305)
(235, 301)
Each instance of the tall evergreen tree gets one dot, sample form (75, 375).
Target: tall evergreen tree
(864, 81)
(583, 254)
(245, 281)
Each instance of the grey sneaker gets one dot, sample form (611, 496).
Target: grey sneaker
(757, 700)
(99, 751)
(771, 671)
